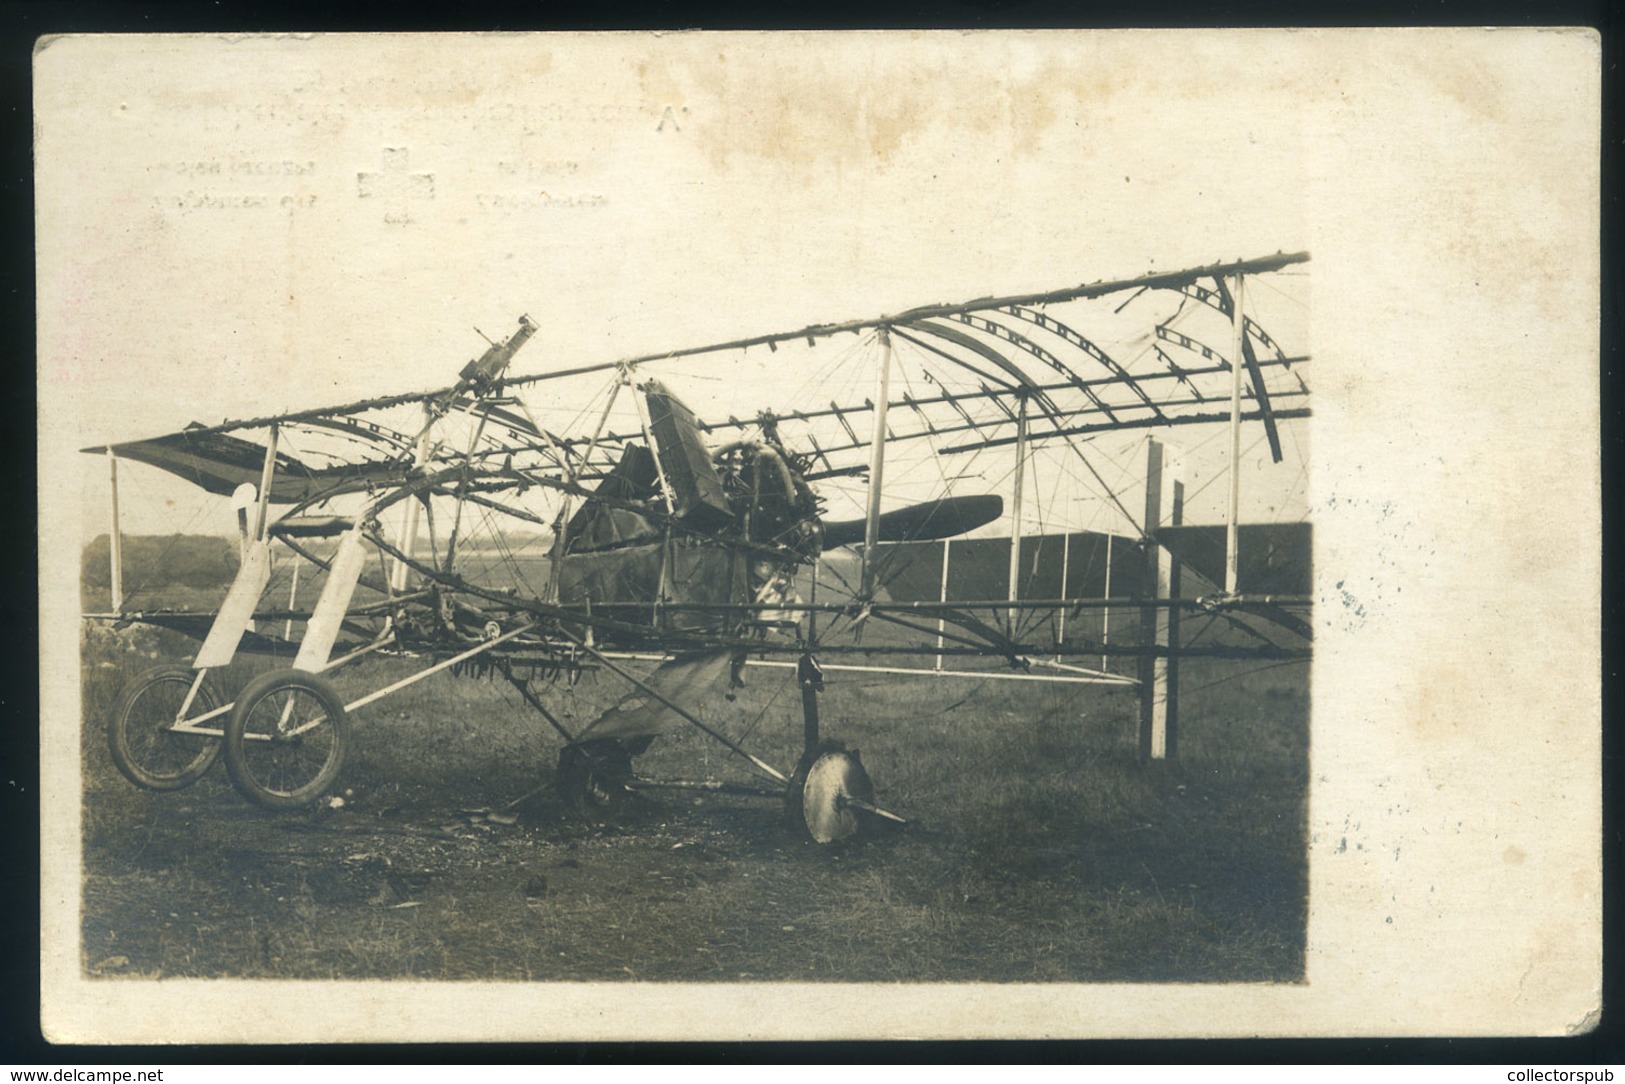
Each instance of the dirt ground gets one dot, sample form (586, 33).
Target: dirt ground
(1041, 850)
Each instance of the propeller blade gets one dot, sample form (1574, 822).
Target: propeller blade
(944, 518)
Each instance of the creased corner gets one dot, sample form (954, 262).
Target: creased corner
(1586, 1024)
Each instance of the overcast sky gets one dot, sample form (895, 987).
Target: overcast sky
(240, 227)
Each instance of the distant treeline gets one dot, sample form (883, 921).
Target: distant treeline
(155, 561)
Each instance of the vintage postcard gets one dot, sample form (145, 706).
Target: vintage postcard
(841, 536)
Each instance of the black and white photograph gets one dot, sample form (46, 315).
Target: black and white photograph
(803, 536)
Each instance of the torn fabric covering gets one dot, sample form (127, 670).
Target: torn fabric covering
(629, 574)
(219, 462)
(696, 572)
(688, 680)
(605, 527)
(599, 526)
(705, 573)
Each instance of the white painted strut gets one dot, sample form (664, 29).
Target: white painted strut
(877, 463)
(322, 630)
(237, 611)
(115, 539)
(1231, 562)
(1015, 503)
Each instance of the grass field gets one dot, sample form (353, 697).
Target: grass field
(1040, 849)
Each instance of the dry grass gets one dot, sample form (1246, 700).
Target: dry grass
(1041, 849)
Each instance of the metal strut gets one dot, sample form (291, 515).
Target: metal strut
(877, 464)
(1232, 306)
(649, 690)
(1231, 524)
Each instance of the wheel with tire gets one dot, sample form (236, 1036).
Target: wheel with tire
(141, 733)
(818, 802)
(286, 739)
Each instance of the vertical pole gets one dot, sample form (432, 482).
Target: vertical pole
(1170, 697)
(812, 597)
(262, 509)
(1015, 504)
(1159, 706)
(646, 423)
(807, 668)
(1150, 583)
(877, 462)
(115, 539)
(942, 595)
(1066, 561)
(293, 598)
(811, 679)
(1239, 331)
(266, 474)
(1106, 611)
(1164, 721)
(411, 509)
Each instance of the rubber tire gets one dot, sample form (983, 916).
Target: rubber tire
(118, 730)
(237, 762)
(795, 797)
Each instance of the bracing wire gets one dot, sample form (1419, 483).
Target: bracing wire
(1250, 671)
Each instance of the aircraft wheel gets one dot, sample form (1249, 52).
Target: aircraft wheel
(286, 739)
(139, 735)
(592, 779)
(816, 803)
